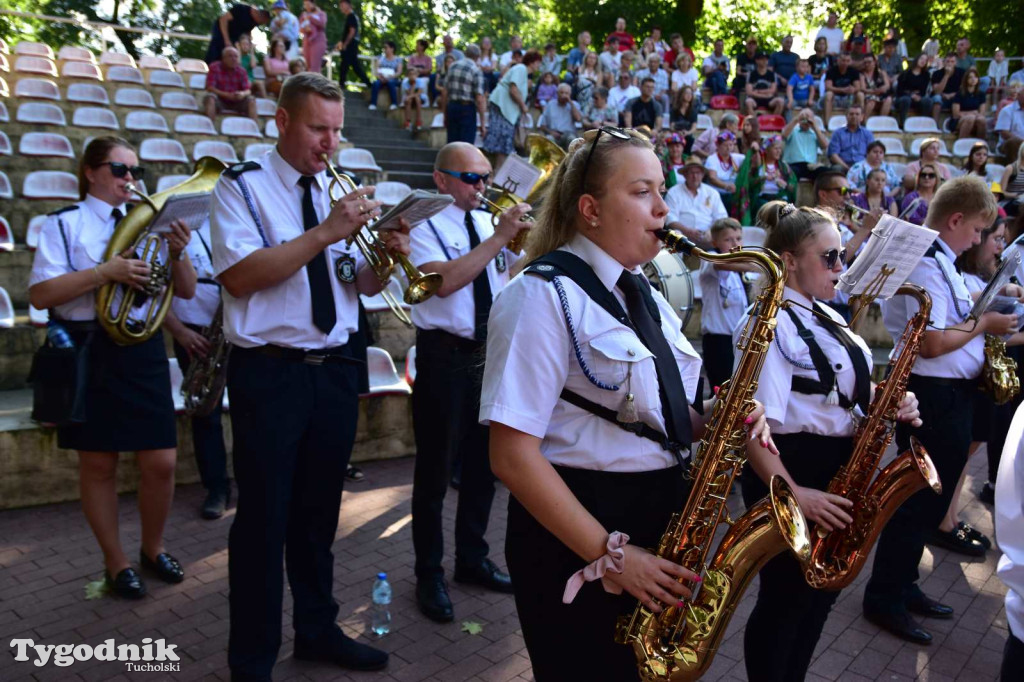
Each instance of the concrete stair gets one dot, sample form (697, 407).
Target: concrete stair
(403, 158)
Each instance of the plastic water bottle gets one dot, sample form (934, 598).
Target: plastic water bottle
(58, 335)
(380, 616)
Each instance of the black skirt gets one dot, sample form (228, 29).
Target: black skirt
(128, 406)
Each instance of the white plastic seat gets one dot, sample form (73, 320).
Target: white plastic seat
(6, 310)
(83, 70)
(6, 235)
(192, 66)
(46, 144)
(836, 122)
(39, 65)
(5, 65)
(116, 59)
(915, 147)
(37, 317)
(410, 366)
(88, 93)
(153, 62)
(920, 124)
(357, 159)
(35, 226)
(40, 113)
(5, 187)
(258, 73)
(256, 150)
(43, 184)
(5, 145)
(197, 81)
(4, 49)
(384, 378)
(168, 181)
(391, 192)
(146, 121)
(134, 97)
(753, 236)
(215, 148)
(265, 107)
(893, 145)
(125, 74)
(27, 47)
(4, 90)
(70, 53)
(994, 172)
(239, 126)
(95, 117)
(962, 148)
(194, 124)
(166, 79)
(37, 88)
(704, 122)
(179, 101)
(271, 129)
(162, 150)
(177, 379)
(438, 122)
(899, 168)
(883, 124)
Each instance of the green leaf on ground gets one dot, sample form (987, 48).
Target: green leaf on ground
(472, 627)
(96, 589)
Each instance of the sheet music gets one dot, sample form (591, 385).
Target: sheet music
(517, 176)
(1011, 262)
(417, 206)
(894, 244)
(192, 208)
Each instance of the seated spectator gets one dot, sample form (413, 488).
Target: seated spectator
(874, 160)
(893, 34)
(422, 61)
(914, 208)
(706, 143)
(964, 59)
(930, 47)
(969, 108)
(800, 88)
(682, 117)
(628, 61)
(598, 112)
(659, 45)
(576, 55)
(749, 135)
(297, 65)
(764, 177)
(551, 62)
(876, 86)
(413, 98)
(515, 44)
(488, 63)
(560, 117)
(547, 89)
(589, 76)
(610, 58)
(912, 90)
(441, 62)
(647, 49)
(694, 205)
(874, 196)
(998, 70)
(857, 44)
(977, 160)
(745, 63)
(889, 61)
(677, 48)
(832, 34)
(1012, 183)
(275, 66)
(623, 92)
(249, 59)
(655, 72)
(945, 85)
(623, 39)
(820, 62)
(684, 75)
(387, 73)
(930, 150)
(716, 70)
(850, 144)
(644, 110)
(227, 86)
(672, 160)
(1010, 124)
(842, 86)
(437, 96)
(803, 138)
(723, 167)
(783, 62)
(762, 88)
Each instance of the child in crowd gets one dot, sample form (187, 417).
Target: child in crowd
(998, 70)
(250, 59)
(412, 98)
(725, 299)
(297, 65)
(547, 90)
(551, 62)
(800, 90)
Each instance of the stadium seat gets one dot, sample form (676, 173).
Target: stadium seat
(166, 79)
(961, 148)
(167, 181)
(40, 113)
(704, 122)
(920, 124)
(883, 124)
(46, 144)
(146, 121)
(899, 168)
(6, 236)
(239, 126)
(271, 129)
(391, 192)
(4, 90)
(893, 145)
(95, 117)
(27, 47)
(915, 146)
(162, 150)
(4, 49)
(771, 123)
(6, 310)
(256, 150)
(37, 317)
(994, 172)
(35, 226)
(197, 81)
(70, 53)
(134, 97)
(116, 59)
(43, 184)
(180, 101)
(5, 187)
(192, 66)
(39, 65)
(83, 70)
(158, 63)
(218, 150)
(384, 379)
(37, 88)
(265, 107)
(725, 102)
(194, 124)
(5, 145)
(753, 236)
(410, 366)
(438, 121)
(836, 122)
(88, 93)
(125, 74)
(353, 158)
(5, 65)
(5, 117)
(258, 73)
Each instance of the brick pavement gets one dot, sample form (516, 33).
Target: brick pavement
(47, 554)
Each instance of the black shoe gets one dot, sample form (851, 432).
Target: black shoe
(957, 541)
(165, 566)
(921, 604)
(899, 623)
(341, 650)
(485, 574)
(975, 534)
(128, 584)
(433, 600)
(215, 504)
(987, 494)
(354, 474)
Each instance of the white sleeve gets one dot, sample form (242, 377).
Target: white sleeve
(775, 382)
(1010, 507)
(233, 232)
(425, 247)
(928, 276)
(51, 259)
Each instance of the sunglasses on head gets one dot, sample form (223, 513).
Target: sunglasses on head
(832, 256)
(617, 133)
(119, 170)
(466, 177)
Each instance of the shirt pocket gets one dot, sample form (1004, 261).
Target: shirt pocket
(620, 359)
(88, 254)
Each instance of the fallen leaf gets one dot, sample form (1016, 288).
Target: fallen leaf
(472, 627)
(96, 589)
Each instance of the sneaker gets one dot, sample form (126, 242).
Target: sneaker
(392, 107)
(373, 107)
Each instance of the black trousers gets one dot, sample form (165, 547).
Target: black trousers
(445, 418)
(1013, 660)
(576, 641)
(787, 619)
(294, 426)
(461, 122)
(947, 411)
(350, 58)
(718, 358)
(207, 435)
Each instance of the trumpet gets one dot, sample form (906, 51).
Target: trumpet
(506, 200)
(855, 209)
(421, 285)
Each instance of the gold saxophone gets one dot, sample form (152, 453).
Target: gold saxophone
(679, 643)
(999, 375)
(203, 384)
(837, 557)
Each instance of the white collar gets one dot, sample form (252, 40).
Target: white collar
(805, 303)
(944, 247)
(101, 208)
(288, 175)
(607, 269)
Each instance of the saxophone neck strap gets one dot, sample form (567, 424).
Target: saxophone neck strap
(826, 382)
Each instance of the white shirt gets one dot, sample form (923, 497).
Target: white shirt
(610, 61)
(951, 301)
(680, 79)
(506, 59)
(282, 314)
(1010, 523)
(713, 163)
(788, 356)
(88, 230)
(618, 96)
(201, 308)
(724, 299)
(530, 359)
(694, 210)
(833, 36)
(455, 313)
(1011, 120)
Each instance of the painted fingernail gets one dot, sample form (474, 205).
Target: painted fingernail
(748, 420)
(680, 604)
(698, 579)
(716, 389)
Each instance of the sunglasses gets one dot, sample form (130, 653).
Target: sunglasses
(617, 133)
(928, 175)
(468, 178)
(119, 170)
(832, 256)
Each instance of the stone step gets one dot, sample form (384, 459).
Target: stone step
(399, 151)
(15, 268)
(416, 180)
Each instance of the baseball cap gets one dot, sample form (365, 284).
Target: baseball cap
(280, 4)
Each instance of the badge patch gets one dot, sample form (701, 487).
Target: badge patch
(543, 267)
(345, 268)
(499, 261)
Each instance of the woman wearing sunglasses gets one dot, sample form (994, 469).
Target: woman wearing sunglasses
(128, 401)
(914, 207)
(564, 377)
(816, 375)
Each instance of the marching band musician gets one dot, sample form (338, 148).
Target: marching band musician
(585, 490)
(816, 376)
(128, 402)
(290, 298)
(944, 378)
(451, 330)
(186, 321)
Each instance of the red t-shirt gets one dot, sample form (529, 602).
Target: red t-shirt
(670, 56)
(626, 41)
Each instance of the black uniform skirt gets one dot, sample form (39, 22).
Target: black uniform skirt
(577, 641)
(128, 404)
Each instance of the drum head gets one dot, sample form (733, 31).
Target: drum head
(668, 274)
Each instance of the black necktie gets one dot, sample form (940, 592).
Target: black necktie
(643, 311)
(324, 314)
(481, 287)
(860, 365)
(116, 215)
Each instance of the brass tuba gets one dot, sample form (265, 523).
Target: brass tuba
(203, 384)
(131, 316)
(680, 642)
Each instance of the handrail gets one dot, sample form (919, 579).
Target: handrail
(104, 24)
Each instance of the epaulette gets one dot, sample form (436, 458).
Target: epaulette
(72, 207)
(234, 171)
(545, 270)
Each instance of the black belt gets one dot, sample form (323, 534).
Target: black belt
(320, 356)
(943, 381)
(78, 325)
(442, 339)
(461, 101)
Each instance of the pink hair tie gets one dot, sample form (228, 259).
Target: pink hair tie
(613, 560)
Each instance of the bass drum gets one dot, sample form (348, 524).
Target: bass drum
(669, 275)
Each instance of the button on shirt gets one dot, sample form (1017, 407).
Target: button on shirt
(724, 299)
(530, 359)
(694, 210)
(850, 145)
(88, 231)
(281, 314)
(201, 308)
(951, 301)
(788, 356)
(454, 313)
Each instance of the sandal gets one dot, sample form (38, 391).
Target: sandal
(975, 534)
(355, 474)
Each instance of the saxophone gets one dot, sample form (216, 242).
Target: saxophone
(203, 385)
(679, 643)
(999, 375)
(837, 557)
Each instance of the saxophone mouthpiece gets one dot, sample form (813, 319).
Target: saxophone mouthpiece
(675, 241)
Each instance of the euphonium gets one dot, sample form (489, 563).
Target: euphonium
(131, 316)
(203, 385)
(679, 643)
(999, 375)
(837, 557)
